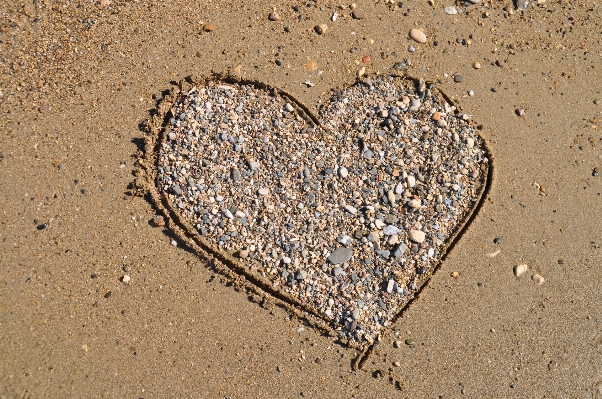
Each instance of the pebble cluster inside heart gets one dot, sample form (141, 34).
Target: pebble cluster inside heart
(347, 217)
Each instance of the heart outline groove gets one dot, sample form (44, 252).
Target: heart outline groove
(152, 180)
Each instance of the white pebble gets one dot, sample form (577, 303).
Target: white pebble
(418, 35)
(343, 172)
(411, 180)
(126, 279)
(539, 280)
(228, 214)
(519, 270)
(414, 203)
(263, 191)
(417, 236)
(390, 286)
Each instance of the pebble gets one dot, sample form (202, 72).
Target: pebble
(522, 5)
(458, 79)
(357, 14)
(520, 111)
(397, 344)
(158, 221)
(126, 279)
(208, 27)
(321, 29)
(350, 209)
(274, 16)
(340, 255)
(308, 198)
(417, 35)
(476, 65)
(391, 230)
(417, 236)
(390, 286)
(539, 280)
(519, 270)
(450, 10)
(409, 341)
(396, 364)
(455, 274)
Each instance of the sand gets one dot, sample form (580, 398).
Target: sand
(71, 129)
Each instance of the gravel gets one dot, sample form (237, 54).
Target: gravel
(352, 211)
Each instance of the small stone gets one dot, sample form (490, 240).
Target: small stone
(208, 27)
(390, 286)
(236, 175)
(340, 255)
(391, 230)
(414, 203)
(243, 254)
(519, 270)
(458, 79)
(522, 5)
(520, 111)
(411, 180)
(126, 279)
(228, 214)
(561, 261)
(396, 364)
(397, 344)
(172, 136)
(321, 29)
(357, 14)
(417, 35)
(476, 65)
(263, 191)
(400, 250)
(46, 108)
(343, 172)
(539, 280)
(417, 236)
(337, 271)
(450, 10)
(289, 107)
(158, 221)
(360, 72)
(350, 209)
(455, 274)
(105, 3)
(274, 16)
(409, 341)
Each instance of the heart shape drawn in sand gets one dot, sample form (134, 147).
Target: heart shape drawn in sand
(344, 217)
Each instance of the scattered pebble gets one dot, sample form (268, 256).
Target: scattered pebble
(458, 79)
(396, 364)
(357, 14)
(519, 270)
(522, 5)
(321, 29)
(417, 35)
(561, 261)
(539, 280)
(450, 10)
(493, 254)
(397, 344)
(455, 274)
(274, 16)
(409, 341)
(126, 279)
(44, 108)
(520, 111)
(476, 65)
(158, 221)
(208, 27)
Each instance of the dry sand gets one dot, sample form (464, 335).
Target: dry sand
(79, 78)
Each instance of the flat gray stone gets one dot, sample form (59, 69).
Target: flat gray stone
(340, 255)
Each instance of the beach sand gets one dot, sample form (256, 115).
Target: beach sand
(78, 82)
